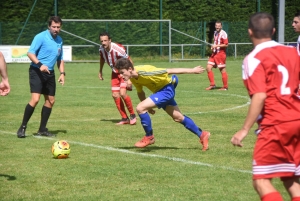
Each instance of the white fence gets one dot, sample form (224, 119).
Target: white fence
(236, 50)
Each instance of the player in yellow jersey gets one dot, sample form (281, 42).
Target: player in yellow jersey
(163, 87)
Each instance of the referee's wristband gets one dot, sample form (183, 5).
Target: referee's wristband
(39, 64)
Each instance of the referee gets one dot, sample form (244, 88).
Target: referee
(45, 50)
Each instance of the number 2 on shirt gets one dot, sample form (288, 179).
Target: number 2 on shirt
(285, 76)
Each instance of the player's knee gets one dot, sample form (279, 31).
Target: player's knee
(208, 68)
(50, 102)
(140, 109)
(178, 118)
(34, 101)
(260, 184)
(123, 95)
(115, 95)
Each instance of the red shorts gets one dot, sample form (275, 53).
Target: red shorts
(217, 60)
(117, 82)
(277, 151)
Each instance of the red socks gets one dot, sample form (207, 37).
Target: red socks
(210, 76)
(274, 196)
(128, 104)
(225, 79)
(120, 106)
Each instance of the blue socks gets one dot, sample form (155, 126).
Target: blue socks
(187, 122)
(146, 123)
(191, 126)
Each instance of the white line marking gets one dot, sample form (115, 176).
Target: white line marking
(144, 154)
(194, 113)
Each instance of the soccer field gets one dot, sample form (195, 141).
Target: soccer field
(104, 164)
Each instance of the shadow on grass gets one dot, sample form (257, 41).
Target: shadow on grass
(112, 120)
(54, 132)
(152, 148)
(9, 177)
(58, 131)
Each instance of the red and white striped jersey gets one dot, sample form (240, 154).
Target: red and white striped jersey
(298, 45)
(116, 52)
(220, 38)
(274, 69)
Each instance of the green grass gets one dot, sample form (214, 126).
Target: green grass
(104, 164)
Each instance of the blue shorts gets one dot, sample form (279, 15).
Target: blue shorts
(164, 97)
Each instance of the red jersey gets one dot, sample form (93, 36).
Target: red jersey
(116, 52)
(274, 69)
(220, 38)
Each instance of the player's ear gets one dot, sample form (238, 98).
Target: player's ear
(273, 31)
(250, 32)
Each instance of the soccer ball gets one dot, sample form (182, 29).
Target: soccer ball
(61, 149)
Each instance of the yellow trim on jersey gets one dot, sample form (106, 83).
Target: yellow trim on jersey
(151, 77)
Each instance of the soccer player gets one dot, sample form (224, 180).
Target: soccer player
(46, 49)
(296, 26)
(163, 88)
(109, 53)
(271, 76)
(218, 57)
(4, 84)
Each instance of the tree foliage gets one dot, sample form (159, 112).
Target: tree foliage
(194, 17)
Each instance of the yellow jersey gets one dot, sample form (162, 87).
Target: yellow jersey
(151, 77)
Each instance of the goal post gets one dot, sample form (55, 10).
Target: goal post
(146, 33)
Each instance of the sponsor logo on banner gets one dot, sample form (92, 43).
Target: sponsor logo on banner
(19, 54)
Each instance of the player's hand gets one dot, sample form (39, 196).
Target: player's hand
(151, 111)
(45, 69)
(61, 79)
(238, 137)
(100, 76)
(4, 88)
(198, 69)
(128, 85)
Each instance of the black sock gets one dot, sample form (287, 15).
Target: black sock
(45, 114)
(27, 114)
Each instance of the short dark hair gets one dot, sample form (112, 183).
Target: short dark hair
(55, 19)
(219, 22)
(297, 14)
(123, 63)
(262, 25)
(105, 34)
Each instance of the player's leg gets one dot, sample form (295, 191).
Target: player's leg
(48, 90)
(127, 100)
(210, 64)
(115, 88)
(221, 61)
(292, 185)
(36, 90)
(45, 114)
(275, 147)
(266, 190)
(188, 123)
(142, 110)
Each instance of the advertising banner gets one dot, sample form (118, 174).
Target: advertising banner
(18, 54)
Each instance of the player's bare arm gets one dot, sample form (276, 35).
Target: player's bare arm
(141, 95)
(102, 61)
(220, 45)
(61, 68)
(256, 105)
(195, 70)
(4, 84)
(35, 60)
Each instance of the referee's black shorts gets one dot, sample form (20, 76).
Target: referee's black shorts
(42, 82)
